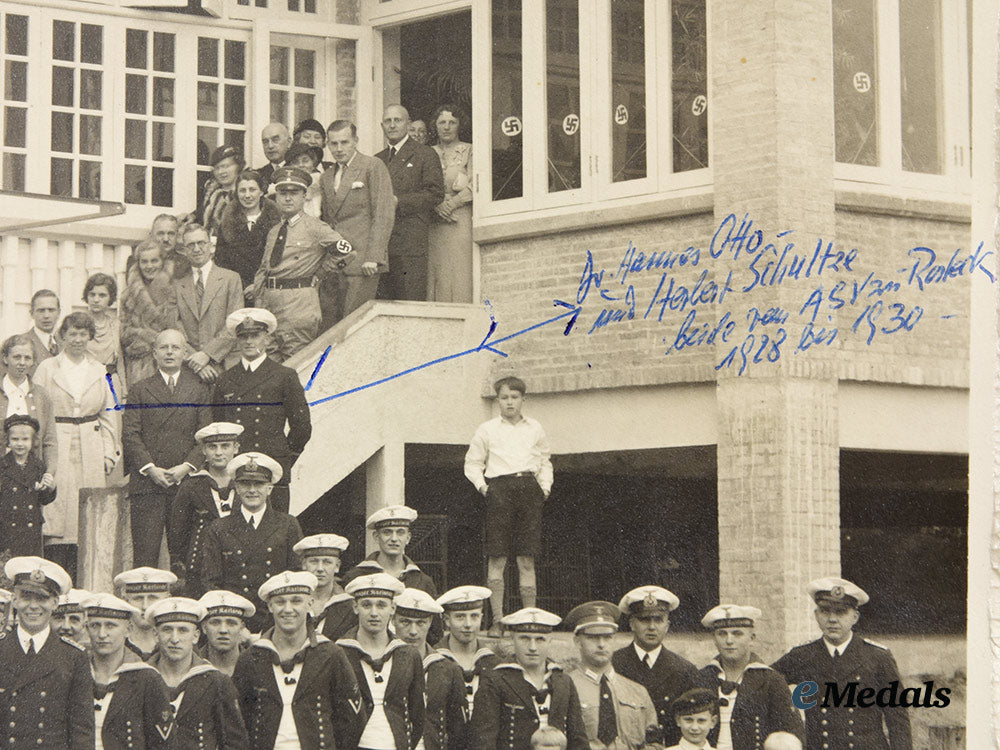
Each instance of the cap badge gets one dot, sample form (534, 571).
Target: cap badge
(837, 592)
(37, 576)
(251, 465)
(650, 600)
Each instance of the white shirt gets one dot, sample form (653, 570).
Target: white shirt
(378, 733)
(24, 638)
(17, 396)
(399, 145)
(203, 272)
(45, 338)
(252, 219)
(499, 448)
(257, 516)
(288, 734)
(167, 377)
(341, 168)
(653, 655)
(841, 648)
(76, 376)
(253, 364)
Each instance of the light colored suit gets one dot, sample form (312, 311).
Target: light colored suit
(362, 211)
(205, 326)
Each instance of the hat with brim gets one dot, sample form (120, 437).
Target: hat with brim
(293, 177)
(837, 591)
(254, 467)
(38, 574)
(251, 320)
(646, 601)
(594, 618)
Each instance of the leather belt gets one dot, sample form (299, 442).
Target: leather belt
(76, 420)
(302, 282)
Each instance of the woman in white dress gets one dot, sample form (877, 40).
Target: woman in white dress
(449, 255)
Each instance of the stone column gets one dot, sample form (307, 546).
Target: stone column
(384, 474)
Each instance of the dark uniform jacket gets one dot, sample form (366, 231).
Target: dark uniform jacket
(412, 577)
(192, 511)
(327, 706)
(238, 396)
(163, 436)
(338, 618)
(208, 715)
(446, 711)
(763, 705)
(864, 662)
(139, 716)
(21, 505)
(670, 676)
(404, 690)
(240, 559)
(46, 700)
(485, 660)
(506, 713)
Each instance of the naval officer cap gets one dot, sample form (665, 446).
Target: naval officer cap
(109, 606)
(38, 574)
(464, 598)
(175, 609)
(291, 177)
(379, 585)
(218, 432)
(416, 603)
(320, 545)
(836, 591)
(594, 618)
(72, 602)
(530, 620)
(251, 320)
(254, 467)
(221, 603)
(287, 583)
(391, 515)
(145, 580)
(649, 600)
(730, 616)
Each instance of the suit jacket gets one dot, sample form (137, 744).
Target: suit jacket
(326, 705)
(204, 326)
(505, 715)
(634, 712)
(266, 173)
(338, 618)
(240, 559)
(404, 690)
(670, 676)
(39, 407)
(362, 210)
(447, 712)
(209, 713)
(40, 350)
(50, 694)
(192, 510)
(163, 436)
(763, 705)
(864, 662)
(418, 182)
(139, 715)
(238, 248)
(237, 396)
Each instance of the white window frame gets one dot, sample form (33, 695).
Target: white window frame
(13, 103)
(323, 49)
(597, 188)
(889, 177)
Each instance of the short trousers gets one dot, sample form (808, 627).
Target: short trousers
(514, 516)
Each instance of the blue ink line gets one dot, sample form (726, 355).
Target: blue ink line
(322, 359)
(946, 317)
(183, 405)
(114, 395)
(573, 311)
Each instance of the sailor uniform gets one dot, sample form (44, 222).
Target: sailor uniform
(412, 577)
(199, 501)
(338, 617)
(324, 702)
(133, 710)
(447, 711)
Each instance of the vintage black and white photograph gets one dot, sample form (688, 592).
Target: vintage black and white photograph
(498, 375)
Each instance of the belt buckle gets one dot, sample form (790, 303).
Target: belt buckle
(271, 283)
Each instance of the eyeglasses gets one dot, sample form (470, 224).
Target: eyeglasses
(198, 243)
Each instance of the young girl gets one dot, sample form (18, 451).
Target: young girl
(23, 493)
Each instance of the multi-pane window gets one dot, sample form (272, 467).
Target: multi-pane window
(222, 106)
(296, 6)
(293, 84)
(609, 71)
(14, 57)
(77, 122)
(150, 82)
(892, 110)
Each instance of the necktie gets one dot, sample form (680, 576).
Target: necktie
(392, 152)
(53, 346)
(250, 224)
(337, 176)
(279, 245)
(376, 664)
(226, 507)
(31, 648)
(647, 661)
(836, 654)
(540, 697)
(171, 384)
(199, 286)
(252, 522)
(607, 729)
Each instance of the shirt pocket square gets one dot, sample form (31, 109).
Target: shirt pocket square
(356, 185)
(409, 164)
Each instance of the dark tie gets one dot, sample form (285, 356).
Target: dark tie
(252, 522)
(376, 664)
(647, 661)
(392, 152)
(540, 697)
(279, 245)
(607, 728)
(31, 648)
(836, 654)
(199, 287)
(226, 507)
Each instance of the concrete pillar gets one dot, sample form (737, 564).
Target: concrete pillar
(385, 482)
(778, 449)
